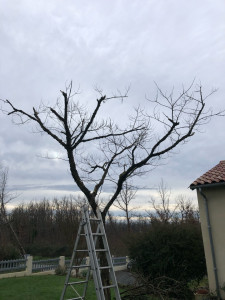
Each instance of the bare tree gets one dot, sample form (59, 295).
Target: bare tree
(186, 210)
(182, 211)
(5, 198)
(162, 208)
(123, 202)
(120, 153)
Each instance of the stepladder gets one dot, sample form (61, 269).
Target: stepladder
(91, 241)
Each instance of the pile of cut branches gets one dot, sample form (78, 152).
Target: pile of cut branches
(161, 287)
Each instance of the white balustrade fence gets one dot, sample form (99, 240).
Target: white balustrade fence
(28, 266)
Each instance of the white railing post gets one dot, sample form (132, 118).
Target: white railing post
(87, 261)
(62, 263)
(29, 263)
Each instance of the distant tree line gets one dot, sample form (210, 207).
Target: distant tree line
(49, 228)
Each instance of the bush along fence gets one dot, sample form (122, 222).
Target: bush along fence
(28, 266)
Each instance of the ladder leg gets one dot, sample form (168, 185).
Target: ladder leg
(108, 257)
(93, 258)
(87, 280)
(71, 261)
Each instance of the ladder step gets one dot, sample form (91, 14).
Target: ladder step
(76, 298)
(76, 282)
(108, 286)
(105, 268)
(80, 266)
(94, 219)
(98, 234)
(101, 250)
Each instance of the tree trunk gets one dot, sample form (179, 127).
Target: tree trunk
(104, 273)
(21, 249)
(128, 221)
(103, 262)
(16, 238)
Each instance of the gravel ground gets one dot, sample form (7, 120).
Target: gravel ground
(125, 278)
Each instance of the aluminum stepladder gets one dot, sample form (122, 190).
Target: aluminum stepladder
(85, 230)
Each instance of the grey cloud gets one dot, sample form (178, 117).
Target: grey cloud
(111, 44)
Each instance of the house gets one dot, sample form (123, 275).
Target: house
(211, 199)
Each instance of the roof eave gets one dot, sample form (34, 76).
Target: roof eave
(193, 187)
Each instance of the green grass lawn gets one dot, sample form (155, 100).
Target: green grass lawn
(48, 287)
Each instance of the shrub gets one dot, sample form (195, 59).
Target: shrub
(173, 250)
(60, 271)
(48, 250)
(8, 252)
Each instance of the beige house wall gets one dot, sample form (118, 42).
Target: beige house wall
(216, 206)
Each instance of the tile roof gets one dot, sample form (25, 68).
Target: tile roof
(215, 175)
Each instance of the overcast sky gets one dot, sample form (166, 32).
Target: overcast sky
(109, 44)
